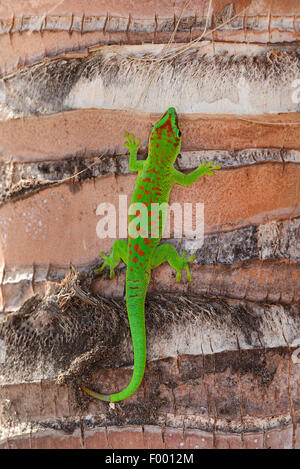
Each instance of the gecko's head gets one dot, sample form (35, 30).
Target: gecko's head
(166, 135)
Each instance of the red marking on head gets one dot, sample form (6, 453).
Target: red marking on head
(135, 259)
(142, 265)
(131, 269)
(141, 187)
(130, 252)
(168, 127)
(139, 196)
(147, 241)
(147, 192)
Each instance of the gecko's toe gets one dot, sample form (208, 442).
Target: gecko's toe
(191, 258)
(178, 276)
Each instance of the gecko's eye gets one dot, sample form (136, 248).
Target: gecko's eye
(179, 133)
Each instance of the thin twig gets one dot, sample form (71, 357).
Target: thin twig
(60, 181)
(173, 54)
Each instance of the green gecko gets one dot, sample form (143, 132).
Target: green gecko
(141, 253)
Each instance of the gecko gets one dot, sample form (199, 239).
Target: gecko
(141, 252)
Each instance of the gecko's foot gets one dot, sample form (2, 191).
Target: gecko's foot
(208, 168)
(184, 265)
(107, 261)
(130, 143)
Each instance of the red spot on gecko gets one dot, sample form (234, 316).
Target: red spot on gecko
(135, 259)
(152, 171)
(137, 248)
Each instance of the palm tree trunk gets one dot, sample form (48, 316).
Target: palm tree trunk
(222, 352)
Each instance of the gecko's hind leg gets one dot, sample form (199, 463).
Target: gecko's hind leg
(119, 251)
(167, 252)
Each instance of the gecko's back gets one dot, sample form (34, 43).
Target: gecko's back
(152, 189)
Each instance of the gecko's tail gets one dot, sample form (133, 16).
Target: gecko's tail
(135, 306)
(101, 397)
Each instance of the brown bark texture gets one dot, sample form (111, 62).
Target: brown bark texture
(223, 351)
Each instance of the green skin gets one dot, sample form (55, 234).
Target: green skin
(141, 253)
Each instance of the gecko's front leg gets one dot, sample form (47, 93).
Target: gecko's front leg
(188, 179)
(119, 251)
(133, 146)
